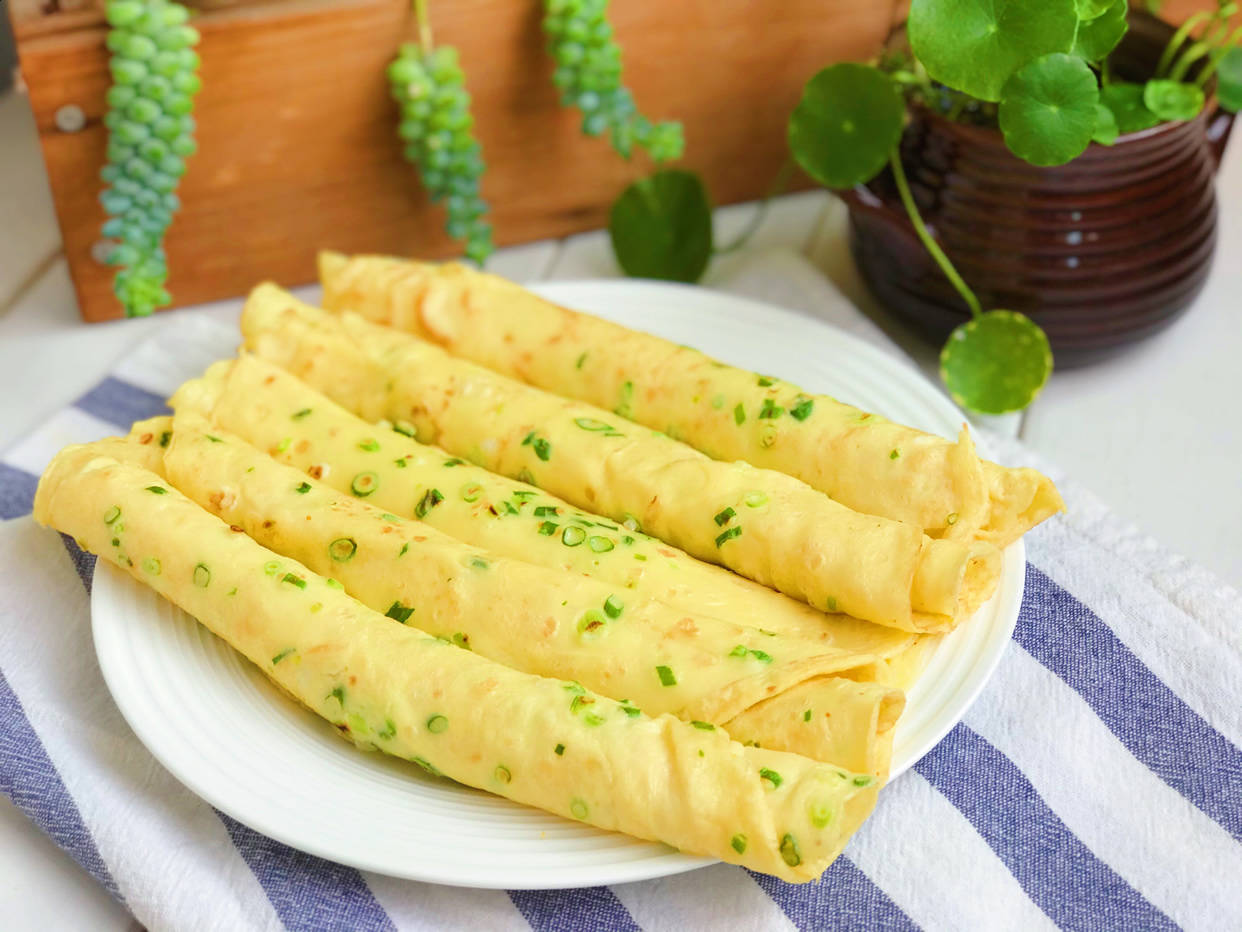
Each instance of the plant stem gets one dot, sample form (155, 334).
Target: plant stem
(1220, 52)
(1166, 57)
(1188, 58)
(903, 189)
(752, 227)
(424, 25)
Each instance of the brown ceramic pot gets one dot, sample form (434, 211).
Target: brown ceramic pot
(1101, 252)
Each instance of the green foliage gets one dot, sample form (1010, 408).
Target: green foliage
(975, 45)
(150, 134)
(1229, 80)
(1090, 9)
(1048, 109)
(996, 363)
(1099, 35)
(1172, 100)
(1106, 131)
(848, 120)
(437, 129)
(588, 75)
(661, 227)
(1125, 100)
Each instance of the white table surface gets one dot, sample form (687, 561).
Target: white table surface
(1157, 432)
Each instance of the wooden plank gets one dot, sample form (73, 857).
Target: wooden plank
(297, 141)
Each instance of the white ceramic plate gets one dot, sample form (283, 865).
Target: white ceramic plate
(222, 729)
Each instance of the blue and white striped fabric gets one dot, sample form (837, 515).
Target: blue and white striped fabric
(1096, 784)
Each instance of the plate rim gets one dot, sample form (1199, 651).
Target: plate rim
(106, 581)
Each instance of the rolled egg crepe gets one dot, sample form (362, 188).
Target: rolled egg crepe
(393, 687)
(861, 460)
(531, 618)
(762, 524)
(297, 425)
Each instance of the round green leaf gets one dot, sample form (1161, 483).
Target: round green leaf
(1106, 131)
(996, 363)
(1173, 100)
(975, 45)
(1229, 80)
(848, 120)
(661, 227)
(1126, 102)
(1047, 109)
(1099, 36)
(1090, 9)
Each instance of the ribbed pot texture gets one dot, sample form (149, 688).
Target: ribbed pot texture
(1101, 252)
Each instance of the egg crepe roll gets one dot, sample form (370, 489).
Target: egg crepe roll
(762, 524)
(297, 425)
(527, 617)
(393, 687)
(862, 460)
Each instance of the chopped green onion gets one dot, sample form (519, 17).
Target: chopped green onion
(581, 360)
(755, 499)
(761, 656)
(294, 580)
(739, 414)
(523, 494)
(271, 568)
(703, 726)
(770, 777)
(631, 523)
(590, 423)
(591, 623)
(426, 765)
(364, 484)
(766, 381)
(400, 612)
(202, 576)
(600, 544)
(893, 454)
(509, 508)
(338, 694)
(283, 654)
(371, 445)
(544, 511)
(454, 461)
(388, 732)
(789, 851)
(770, 409)
(462, 640)
(406, 429)
(437, 724)
(430, 499)
(951, 519)
(806, 716)
(613, 607)
(524, 475)
(573, 536)
(560, 750)
(821, 814)
(723, 517)
(578, 808)
(332, 583)
(626, 539)
(298, 415)
(739, 651)
(342, 549)
(401, 462)
(666, 676)
(165, 436)
(831, 603)
(502, 774)
(213, 438)
(112, 514)
(630, 710)
(391, 518)
(547, 528)
(738, 843)
(151, 565)
(477, 563)
(284, 444)
(303, 488)
(471, 492)
(542, 448)
(625, 404)
(157, 489)
(802, 410)
(731, 533)
(863, 780)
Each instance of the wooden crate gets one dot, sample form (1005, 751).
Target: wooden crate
(297, 144)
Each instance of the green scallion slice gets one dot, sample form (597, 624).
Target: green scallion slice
(703, 726)
(437, 724)
(502, 774)
(112, 514)
(388, 732)
(666, 676)
(545, 511)
(573, 536)
(739, 651)
(370, 444)
(579, 809)
(626, 400)
(755, 499)
(338, 694)
(600, 544)
(430, 499)
(547, 528)
(613, 607)
(789, 851)
(560, 750)
(761, 656)
(454, 461)
(831, 604)
(542, 448)
(157, 489)
(332, 583)
(766, 381)
(342, 550)
(802, 410)
(303, 488)
(770, 777)
(722, 518)
(294, 580)
(731, 533)
(590, 423)
(471, 492)
(770, 409)
(405, 428)
(165, 436)
(806, 716)
(364, 484)
(283, 654)
(202, 576)
(738, 843)
(298, 415)
(591, 623)
(400, 612)
(739, 414)
(151, 566)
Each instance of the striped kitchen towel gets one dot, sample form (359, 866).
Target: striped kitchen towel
(1095, 784)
